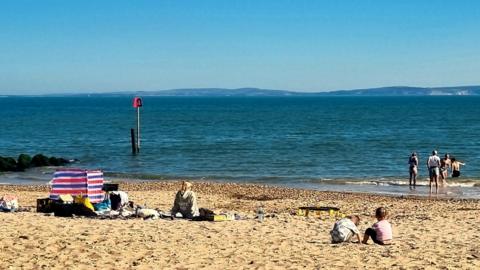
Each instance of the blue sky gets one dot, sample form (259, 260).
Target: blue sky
(99, 46)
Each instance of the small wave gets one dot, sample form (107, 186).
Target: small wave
(393, 182)
(463, 184)
(384, 183)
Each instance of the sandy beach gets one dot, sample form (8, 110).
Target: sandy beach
(428, 233)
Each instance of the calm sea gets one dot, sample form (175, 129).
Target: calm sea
(329, 143)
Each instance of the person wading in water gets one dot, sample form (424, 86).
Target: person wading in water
(413, 169)
(445, 164)
(433, 164)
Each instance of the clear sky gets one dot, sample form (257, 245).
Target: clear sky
(98, 46)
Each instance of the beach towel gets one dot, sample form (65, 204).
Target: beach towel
(147, 213)
(103, 206)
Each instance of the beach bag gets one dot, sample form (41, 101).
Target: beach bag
(63, 209)
(78, 208)
(8, 203)
(118, 199)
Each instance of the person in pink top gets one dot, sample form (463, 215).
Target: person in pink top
(381, 231)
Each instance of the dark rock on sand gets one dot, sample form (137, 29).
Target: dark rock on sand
(53, 161)
(8, 164)
(40, 160)
(24, 161)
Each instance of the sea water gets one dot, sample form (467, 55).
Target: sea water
(328, 143)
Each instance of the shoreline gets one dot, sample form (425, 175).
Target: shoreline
(375, 190)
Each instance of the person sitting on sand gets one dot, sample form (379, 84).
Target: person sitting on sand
(413, 170)
(381, 231)
(344, 229)
(456, 167)
(185, 202)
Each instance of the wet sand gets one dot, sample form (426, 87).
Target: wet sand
(428, 233)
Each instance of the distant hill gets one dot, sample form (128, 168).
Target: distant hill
(197, 92)
(256, 92)
(244, 92)
(410, 91)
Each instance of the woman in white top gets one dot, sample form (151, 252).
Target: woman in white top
(185, 202)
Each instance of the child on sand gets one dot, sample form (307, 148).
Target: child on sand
(344, 229)
(381, 231)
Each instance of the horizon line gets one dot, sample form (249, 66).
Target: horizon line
(81, 92)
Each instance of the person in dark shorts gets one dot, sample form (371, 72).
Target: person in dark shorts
(456, 167)
(381, 231)
(413, 169)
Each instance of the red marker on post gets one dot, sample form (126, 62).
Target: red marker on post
(137, 103)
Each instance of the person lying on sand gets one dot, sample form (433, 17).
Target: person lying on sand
(344, 229)
(381, 231)
(185, 202)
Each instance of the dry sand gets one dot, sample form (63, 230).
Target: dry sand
(428, 233)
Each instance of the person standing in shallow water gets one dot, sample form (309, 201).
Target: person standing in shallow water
(413, 169)
(456, 167)
(433, 164)
(445, 164)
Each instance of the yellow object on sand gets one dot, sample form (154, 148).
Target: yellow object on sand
(224, 217)
(319, 212)
(66, 198)
(85, 201)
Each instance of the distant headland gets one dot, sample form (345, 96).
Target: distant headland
(257, 92)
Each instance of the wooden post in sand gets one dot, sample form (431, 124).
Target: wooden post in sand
(137, 103)
(138, 128)
(132, 137)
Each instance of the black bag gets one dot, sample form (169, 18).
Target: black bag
(63, 209)
(115, 201)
